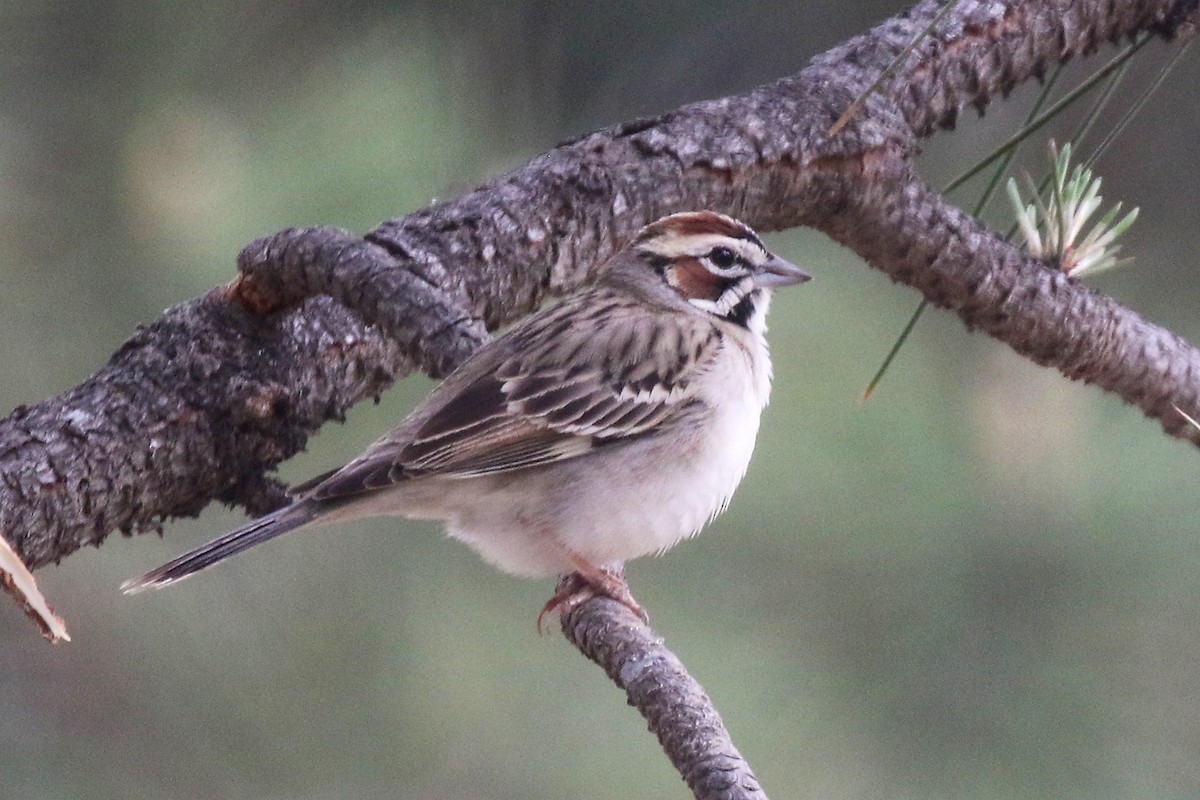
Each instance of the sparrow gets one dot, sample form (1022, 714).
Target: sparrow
(610, 425)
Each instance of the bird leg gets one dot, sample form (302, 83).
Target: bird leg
(586, 582)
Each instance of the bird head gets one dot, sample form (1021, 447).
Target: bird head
(715, 263)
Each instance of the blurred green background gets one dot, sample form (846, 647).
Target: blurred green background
(982, 583)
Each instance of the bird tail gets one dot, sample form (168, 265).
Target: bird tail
(260, 530)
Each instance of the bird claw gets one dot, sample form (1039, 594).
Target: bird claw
(586, 582)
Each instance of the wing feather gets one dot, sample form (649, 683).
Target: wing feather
(594, 370)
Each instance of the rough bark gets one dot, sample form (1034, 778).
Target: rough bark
(675, 706)
(201, 403)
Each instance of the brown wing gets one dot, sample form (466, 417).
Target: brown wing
(567, 380)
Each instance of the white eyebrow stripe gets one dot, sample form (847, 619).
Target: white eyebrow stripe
(674, 245)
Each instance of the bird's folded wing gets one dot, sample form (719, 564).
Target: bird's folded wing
(536, 405)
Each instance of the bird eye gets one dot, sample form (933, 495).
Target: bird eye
(722, 257)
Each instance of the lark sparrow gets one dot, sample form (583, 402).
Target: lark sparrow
(606, 427)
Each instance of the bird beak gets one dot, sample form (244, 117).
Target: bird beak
(776, 272)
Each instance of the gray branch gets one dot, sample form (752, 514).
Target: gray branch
(675, 706)
(202, 403)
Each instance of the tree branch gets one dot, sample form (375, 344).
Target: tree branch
(657, 684)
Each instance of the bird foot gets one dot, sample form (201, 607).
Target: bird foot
(590, 581)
